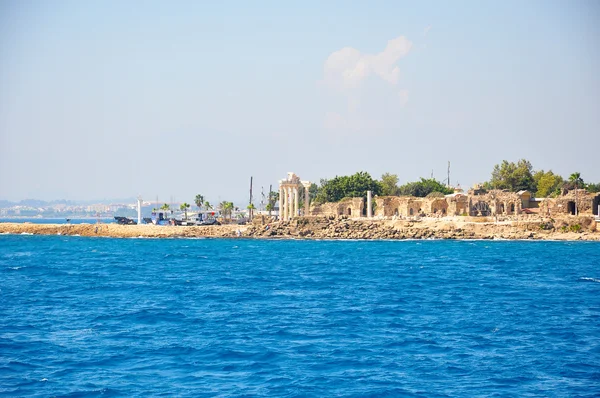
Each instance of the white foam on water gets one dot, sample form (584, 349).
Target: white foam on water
(590, 279)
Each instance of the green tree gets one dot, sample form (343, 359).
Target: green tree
(593, 188)
(354, 186)
(513, 176)
(273, 197)
(229, 209)
(184, 207)
(576, 179)
(207, 205)
(226, 209)
(199, 200)
(547, 183)
(389, 185)
(423, 188)
(574, 182)
(251, 209)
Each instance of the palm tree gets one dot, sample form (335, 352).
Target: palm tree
(165, 208)
(199, 201)
(184, 207)
(576, 179)
(226, 208)
(251, 208)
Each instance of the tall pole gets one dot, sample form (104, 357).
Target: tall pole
(448, 174)
(250, 203)
(576, 209)
(139, 209)
(270, 199)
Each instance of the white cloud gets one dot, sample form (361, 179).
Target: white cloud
(365, 104)
(348, 67)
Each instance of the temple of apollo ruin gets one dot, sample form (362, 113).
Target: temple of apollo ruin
(289, 190)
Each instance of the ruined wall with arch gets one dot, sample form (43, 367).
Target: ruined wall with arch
(351, 207)
(582, 202)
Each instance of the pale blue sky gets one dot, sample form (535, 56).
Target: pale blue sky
(103, 99)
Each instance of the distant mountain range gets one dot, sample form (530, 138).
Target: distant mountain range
(44, 203)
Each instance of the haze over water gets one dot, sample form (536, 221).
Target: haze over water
(139, 317)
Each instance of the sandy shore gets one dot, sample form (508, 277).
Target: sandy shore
(572, 228)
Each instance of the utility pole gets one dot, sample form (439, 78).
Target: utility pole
(250, 203)
(576, 209)
(270, 198)
(448, 174)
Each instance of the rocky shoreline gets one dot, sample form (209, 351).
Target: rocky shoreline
(570, 228)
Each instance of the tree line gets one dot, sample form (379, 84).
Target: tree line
(507, 175)
(521, 176)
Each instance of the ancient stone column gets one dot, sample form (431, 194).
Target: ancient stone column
(291, 203)
(284, 204)
(369, 207)
(306, 200)
(287, 203)
(280, 202)
(296, 202)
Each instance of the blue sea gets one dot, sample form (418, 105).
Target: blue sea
(203, 317)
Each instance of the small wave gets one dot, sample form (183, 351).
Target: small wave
(26, 233)
(589, 279)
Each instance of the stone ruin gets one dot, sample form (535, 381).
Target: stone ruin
(574, 202)
(351, 207)
(474, 203)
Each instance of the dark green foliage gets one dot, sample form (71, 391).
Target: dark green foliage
(575, 182)
(513, 176)
(354, 186)
(547, 183)
(389, 185)
(593, 187)
(424, 187)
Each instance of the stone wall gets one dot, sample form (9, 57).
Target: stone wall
(495, 203)
(498, 202)
(585, 203)
(351, 207)
(405, 206)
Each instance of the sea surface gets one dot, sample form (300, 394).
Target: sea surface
(203, 317)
